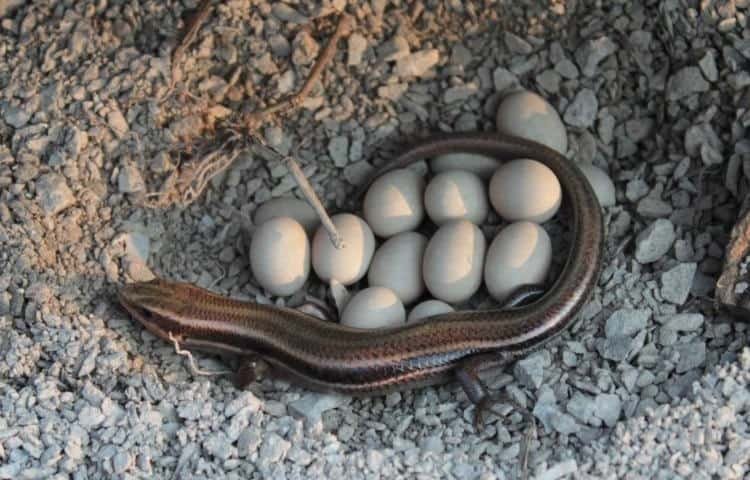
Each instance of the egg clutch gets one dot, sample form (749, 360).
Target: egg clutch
(402, 208)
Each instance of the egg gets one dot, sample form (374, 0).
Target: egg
(290, 207)
(397, 265)
(393, 203)
(456, 195)
(428, 308)
(348, 264)
(470, 162)
(520, 254)
(525, 190)
(526, 114)
(280, 256)
(601, 183)
(374, 307)
(453, 261)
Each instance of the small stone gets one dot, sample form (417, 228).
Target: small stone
(374, 460)
(248, 442)
(608, 407)
(394, 49)
(564, 469)
(16, 116)
(692, 355)
(460, 93)
(273, 449)
(357, 44)
(684, 322)
(655, 241)
(130, 180)
(504, 79)
(118, 124)
(530, 371)
(739, 80)
(593, 52)
(121, 462)
(358, 172)
(686, 81)
(567, 69)
(615, 348)
(676, 283)
(636, 189)
(53, 193)
(517, 44)
(582, 111)
(338, 150)
(393, 91)
(626, 322)
(285, 13)
(218, 445)
(304, 48)
(652, 207)
(312, 405)
(416, 64)
(707, 64)
(90, 417)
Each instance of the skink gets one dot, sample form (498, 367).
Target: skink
(326, 356)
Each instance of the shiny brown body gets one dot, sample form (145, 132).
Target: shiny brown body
(330, 357)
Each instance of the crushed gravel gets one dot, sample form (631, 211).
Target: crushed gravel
(652, 383)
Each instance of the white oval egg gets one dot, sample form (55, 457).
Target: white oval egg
(349, 264)
(374, 307)
(525, 190)
(520, 254)
(397, 265)
(428, 308)
(453, 261)
(601, 183)
(470, 162)
(456, 195)
(526, 114)
(290, 207)
(393, 203)
(280, 255)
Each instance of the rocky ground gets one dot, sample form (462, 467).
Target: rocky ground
(100, 133)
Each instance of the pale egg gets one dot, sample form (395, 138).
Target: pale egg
(520, 254)
(393, 203)
(456, 195)
(470, 162)
(280, 256)
(290, 207)
(526, 114)
(397, 265)
(453, 261)
(374, 307)
(601, 183)
(348, 264)
(525, 190)
(428, 308)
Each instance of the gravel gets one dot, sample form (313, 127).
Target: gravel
(652, 382)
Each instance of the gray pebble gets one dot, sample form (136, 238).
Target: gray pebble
(582, 110)
(338, 150)
(651, 207)
(90, 417)
(684, 322)
(707, 63)
(676, 283)
(286, 13)
(564, 469)
(504, 79)
(130, 180)
(686, 81)
(692, 355)
(517, 44)
(312, 405)
(16, 116)
(358, 172)
(121, 462)
(530, 371)
(593, 52)
(626, 322)
(273, 448)
(608, 407)
(655, 241)
(118, 124)
(53, 193)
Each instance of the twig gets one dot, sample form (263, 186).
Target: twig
(196, 370)
(252, 120)
(312, 198)
(187, 35)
